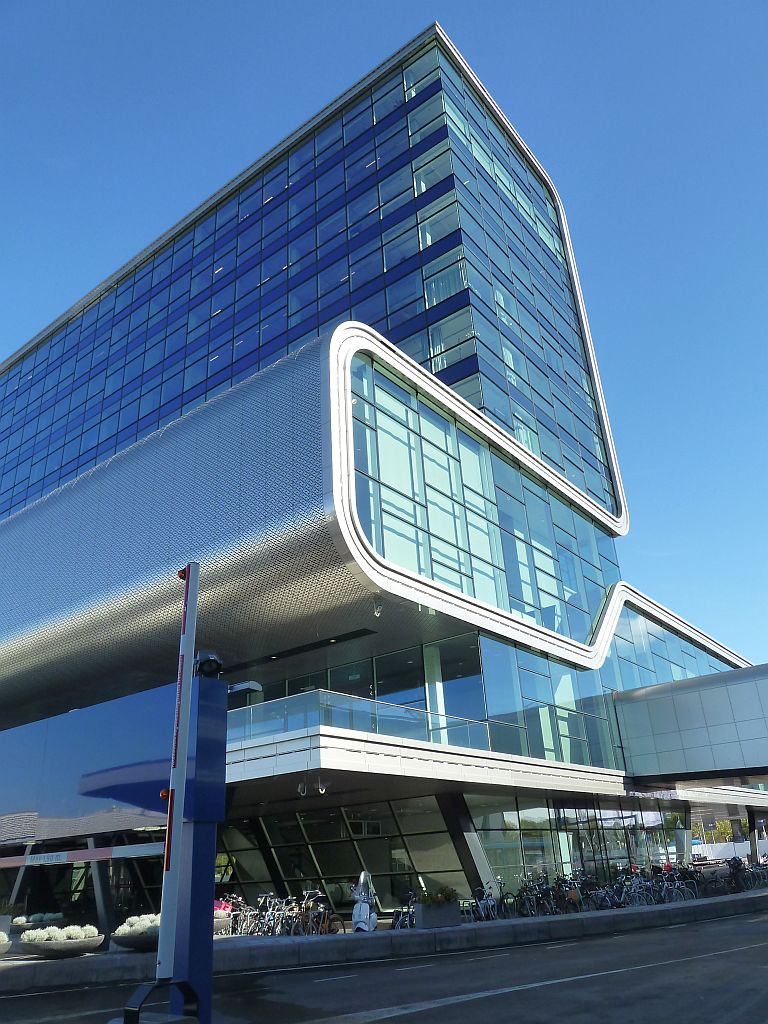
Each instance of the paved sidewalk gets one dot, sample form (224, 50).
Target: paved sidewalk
(240, 953)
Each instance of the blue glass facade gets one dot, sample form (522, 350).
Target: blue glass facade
(410, 210)
(96, 770)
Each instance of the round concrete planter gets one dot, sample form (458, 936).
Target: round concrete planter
(141, 942)
(5, 948)
(59, 950)
(222, 925)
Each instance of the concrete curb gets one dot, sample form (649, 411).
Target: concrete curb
(240, 953)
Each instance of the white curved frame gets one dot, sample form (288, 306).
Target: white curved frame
(351, 338)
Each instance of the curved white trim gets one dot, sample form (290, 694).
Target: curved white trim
(351, 338)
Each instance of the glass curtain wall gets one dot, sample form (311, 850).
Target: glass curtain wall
(403, 843)
(533, 373)
(528, 834)
(436, 500)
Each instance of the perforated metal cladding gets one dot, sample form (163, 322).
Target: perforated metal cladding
(91, 603)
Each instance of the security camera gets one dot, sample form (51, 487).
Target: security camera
(209, 664)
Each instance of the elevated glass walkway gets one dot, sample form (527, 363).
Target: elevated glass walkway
(710, 727)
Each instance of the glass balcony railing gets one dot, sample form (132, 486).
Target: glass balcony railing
(324, 707)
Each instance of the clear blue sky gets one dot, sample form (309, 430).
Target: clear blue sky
(117, 118)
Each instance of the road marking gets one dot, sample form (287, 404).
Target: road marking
(417, 967)
(336, 977)
(408, 1009)
(491, 956)
(762, 920)
(559, 945)
(676, 926)
(78, 1014)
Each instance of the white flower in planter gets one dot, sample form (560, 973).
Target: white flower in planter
(145, 924)
(19, 920)
(3, 938)
(53, 934)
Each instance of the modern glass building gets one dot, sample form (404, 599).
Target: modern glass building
(374, 342)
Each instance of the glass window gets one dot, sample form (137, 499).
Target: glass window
(384, 856)
(420, 814)
(307, 683)
(355, 679)
(454, 683)
(324, 823)
(366, 821)
(400, 678)
(493, 812)
(433, 852)
(296, 862)
(283, 828)
(337, 859)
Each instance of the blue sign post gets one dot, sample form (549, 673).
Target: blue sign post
(195, 808)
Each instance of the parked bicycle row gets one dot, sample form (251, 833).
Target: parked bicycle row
(538, 895)
(307, 914)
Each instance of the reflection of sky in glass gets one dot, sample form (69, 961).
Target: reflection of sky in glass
(50, 766)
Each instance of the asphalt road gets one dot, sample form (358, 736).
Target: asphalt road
(698, 973)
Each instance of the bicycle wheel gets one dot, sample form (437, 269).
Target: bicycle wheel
(749, 879)
(688, 893)
(526, 906)
(598, 901)
(635, 899)
(673, 895)
(506, 907)
(574, 906)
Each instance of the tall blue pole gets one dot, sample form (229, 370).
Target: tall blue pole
(195, 809)
(203, 811)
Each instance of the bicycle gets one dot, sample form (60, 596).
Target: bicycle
(568, 896)
(314, 917)
(506, 906)
(405, 917)
(484, 905)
